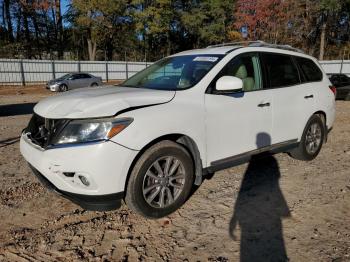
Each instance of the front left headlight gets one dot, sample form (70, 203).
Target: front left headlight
(89, 130)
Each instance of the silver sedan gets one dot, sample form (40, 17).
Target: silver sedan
(73, 81)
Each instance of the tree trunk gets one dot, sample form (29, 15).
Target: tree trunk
(323, 40)
(26, 30)
(59, 28)
(168, 44)
(47, 34)
(91, 49)
(8, 20)
(37, 36)
(18, 25)
(53, 15)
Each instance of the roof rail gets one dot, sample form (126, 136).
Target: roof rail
(245, 43)
(259, 44)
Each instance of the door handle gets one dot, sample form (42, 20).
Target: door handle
(264, 104)
(309, 96)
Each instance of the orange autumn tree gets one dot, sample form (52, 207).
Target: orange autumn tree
(264, 19)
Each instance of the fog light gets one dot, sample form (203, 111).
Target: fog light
(84, 181)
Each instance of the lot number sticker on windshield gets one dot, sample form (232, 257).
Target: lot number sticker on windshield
(206, 59)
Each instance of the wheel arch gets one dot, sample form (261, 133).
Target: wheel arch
(187, 142)
(323, 117)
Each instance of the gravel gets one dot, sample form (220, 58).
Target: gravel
(271, 210)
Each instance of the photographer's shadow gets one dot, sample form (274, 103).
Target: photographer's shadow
(259, 209)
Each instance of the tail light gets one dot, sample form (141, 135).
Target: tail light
(333, 89)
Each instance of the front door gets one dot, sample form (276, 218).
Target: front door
(238, 122)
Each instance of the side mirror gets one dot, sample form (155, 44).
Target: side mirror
(229, 84)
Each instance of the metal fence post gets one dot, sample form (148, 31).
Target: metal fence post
(107, 71)
(79, 68)
(126, 69)
(53, 69)
(22, 73)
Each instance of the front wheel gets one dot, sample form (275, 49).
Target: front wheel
(161, 180)
(311, 141)
(63, 88)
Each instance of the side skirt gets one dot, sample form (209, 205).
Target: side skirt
(245, 157)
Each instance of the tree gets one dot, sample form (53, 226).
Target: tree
(8, 19)
(327, 8)
(59, 27)
(264, 19)
(99, 19)
(208, 22)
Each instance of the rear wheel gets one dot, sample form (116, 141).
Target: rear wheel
(161, 180)
(63, 88)
(311, 141)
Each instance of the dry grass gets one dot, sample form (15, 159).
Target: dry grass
(35, 89)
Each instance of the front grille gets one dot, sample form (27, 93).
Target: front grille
(42, 131)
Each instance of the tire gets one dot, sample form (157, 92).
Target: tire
(63, 88)
(94, 84)
(145, 175)
(311, 141)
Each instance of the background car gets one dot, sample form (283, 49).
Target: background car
(342, 84)
(73, 81)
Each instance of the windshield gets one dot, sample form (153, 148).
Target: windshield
(174, 73)
(64, 77)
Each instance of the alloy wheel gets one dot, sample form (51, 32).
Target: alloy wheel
(164, 181)
(313, 138)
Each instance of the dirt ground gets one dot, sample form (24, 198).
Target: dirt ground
(274, 209)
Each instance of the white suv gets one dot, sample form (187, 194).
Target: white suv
(191, 114)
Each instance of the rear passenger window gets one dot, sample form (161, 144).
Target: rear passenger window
(85, 76)
(280, 70)
(309, 69)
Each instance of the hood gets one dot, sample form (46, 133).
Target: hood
(55, 80)
(99, 102)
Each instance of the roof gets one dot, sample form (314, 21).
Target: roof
(222, 50)
(225, 48)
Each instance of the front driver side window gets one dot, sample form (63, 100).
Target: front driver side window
(247, 68)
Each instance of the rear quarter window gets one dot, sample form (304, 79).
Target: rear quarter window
(310, 71)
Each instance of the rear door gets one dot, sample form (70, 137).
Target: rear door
(293, 99)
(86, 80)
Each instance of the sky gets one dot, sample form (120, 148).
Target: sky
(64, 8)
(64, 5)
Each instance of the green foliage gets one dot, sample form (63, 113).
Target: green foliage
(208, 22)
(151, 29)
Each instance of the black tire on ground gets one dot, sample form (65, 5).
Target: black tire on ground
(63, 88)
(139, 182)
(303, 151)
(94, 84)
